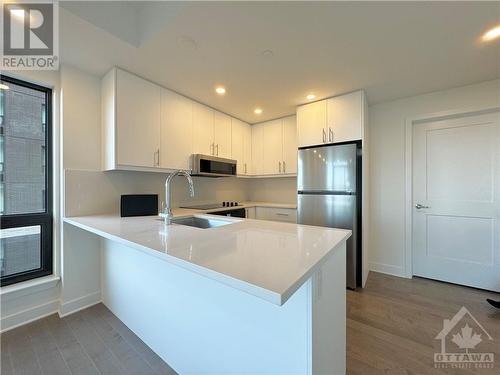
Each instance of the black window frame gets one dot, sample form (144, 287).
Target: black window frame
(43, 219)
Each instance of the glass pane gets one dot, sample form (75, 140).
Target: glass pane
(22, 150)
(20, 250)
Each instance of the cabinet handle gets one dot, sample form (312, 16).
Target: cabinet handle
(330, 134)
(156, 158)
(324, 135)
(284, 167)
(281, 214)
(245, 168)
(279, 166)
(217, 150)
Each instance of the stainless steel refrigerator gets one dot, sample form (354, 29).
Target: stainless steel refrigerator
(329, 195)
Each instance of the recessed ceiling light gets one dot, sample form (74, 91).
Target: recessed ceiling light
(267, 54)
(220, 90)
(3, 87)
(187, 43)
(491, 34)
(257, 111)
(311, 97)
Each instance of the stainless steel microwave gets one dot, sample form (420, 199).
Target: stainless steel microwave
(212, 166)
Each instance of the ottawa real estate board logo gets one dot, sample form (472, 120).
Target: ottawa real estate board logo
(464, 343)
(30, 35)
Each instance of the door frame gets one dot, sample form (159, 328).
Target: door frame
(410, 122)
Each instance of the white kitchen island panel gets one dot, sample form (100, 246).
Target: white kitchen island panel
(201, 326)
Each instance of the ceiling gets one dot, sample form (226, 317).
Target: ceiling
(272, 54)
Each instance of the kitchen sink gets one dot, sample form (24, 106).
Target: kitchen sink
(200, 222)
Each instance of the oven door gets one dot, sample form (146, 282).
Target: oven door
(212, 166)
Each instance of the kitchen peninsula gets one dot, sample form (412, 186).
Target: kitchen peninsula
(249, 295)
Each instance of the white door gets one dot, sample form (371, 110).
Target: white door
(203, 129)
(311, 124)
(273, 147)
(290, 145)
(222, 135)
(344, 117)
(456, 198)
(176, 131)
(137, 121)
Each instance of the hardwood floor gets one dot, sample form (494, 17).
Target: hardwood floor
(90, 342)
(393, 322)
(391, 326)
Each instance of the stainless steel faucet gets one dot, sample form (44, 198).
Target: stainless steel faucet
(167, 212)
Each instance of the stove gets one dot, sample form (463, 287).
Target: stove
(211, 206)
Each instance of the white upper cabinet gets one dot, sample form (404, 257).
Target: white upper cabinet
(222, 135)
(247, 149)
(273, 147)
(176, 144)
(135, 120)
(257, 149)
(344, 114)
(203, 129)
(311, 124)
(338, 119)
(290, 145)
(241, 145)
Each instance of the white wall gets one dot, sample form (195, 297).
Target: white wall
(278, 190)
(387, 174)
(81, 119)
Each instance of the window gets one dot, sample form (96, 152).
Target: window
(25, 181)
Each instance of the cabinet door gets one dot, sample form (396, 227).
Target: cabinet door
(222, 135)
(203, 129)
(237, 135)
(276, 214)
(311, 124)
(273, 147)
(247, 148)
(138, 110)
(257, 149)
(290, 145)
(344, 117)
(176, 131)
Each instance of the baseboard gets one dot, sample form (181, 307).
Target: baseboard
(388, 269)
(29, 315)
(77, 304)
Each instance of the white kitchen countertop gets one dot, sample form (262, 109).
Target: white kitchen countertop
(268, 259)
(191, 211)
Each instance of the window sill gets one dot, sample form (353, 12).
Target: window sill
(28, 287)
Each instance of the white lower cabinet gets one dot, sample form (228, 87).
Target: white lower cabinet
(276, 214)
(250, 212)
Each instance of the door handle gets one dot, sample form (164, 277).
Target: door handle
(418, 206)
(324, 135)
(279, 166)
